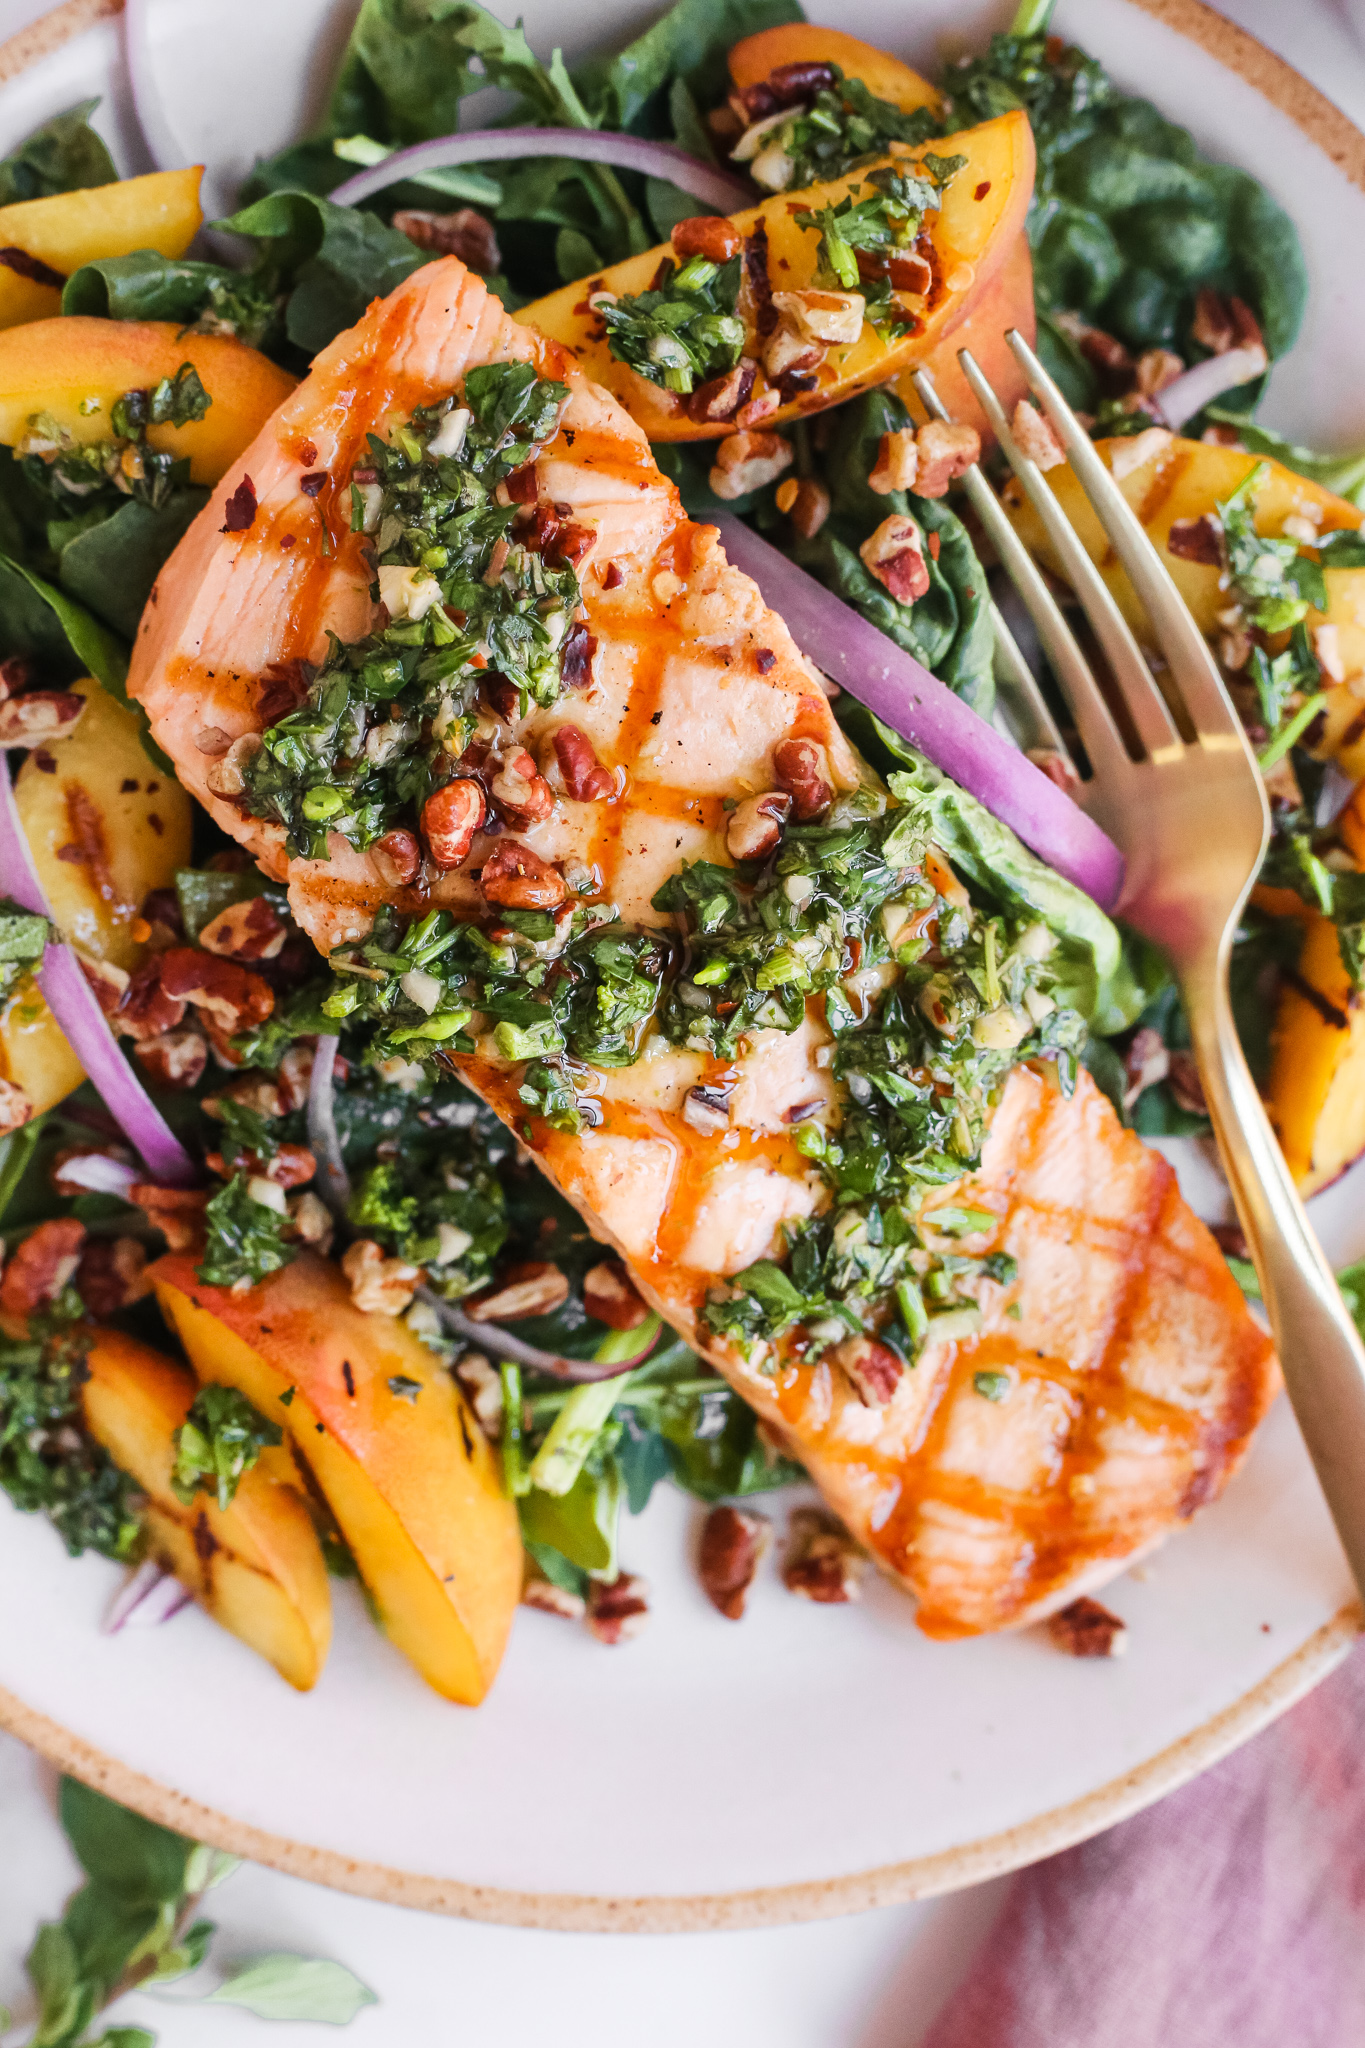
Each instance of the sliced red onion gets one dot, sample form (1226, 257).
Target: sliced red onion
(503, 1344)
(333, 1181)
(165, 152)
(150, 1596)
(906, 697)
(1187, 395)
(718, 190)
(76, 1008)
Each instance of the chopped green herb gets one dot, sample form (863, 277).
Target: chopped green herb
(221, 1438)
(992, 1386)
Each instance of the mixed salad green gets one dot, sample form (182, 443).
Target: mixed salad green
(1129, 226)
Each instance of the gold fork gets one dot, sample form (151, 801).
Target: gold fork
(1185, 802)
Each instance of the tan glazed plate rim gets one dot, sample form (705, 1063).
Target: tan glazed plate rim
(919, 1877)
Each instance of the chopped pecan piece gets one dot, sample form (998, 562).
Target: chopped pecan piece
(178, 1213)
(585, 779)
(175, 1060)
(799, 766)
(109, 982)
(380, 1286)
(398, 857)
(946, 450)
(1085, 1629)
(720, 398)
(897, 462)
(733, 1545)
(253, 930)
(112, 1275)
(551, 1599)
(830, 317)
(745, 462)
(450, 818)
(42, 1264)
(754, 827)
(805, 502)
(1185, 1084)
(520, 791)
(618, 1611)
(39, 716)
(225, 776)
(536, 1287)
(894, 553)
(147, 1009)
(481, 1383)
(873, 1369)
(312, 1221)
(233, 997)
(610, 1294)
(1197, 540)
(15, 1107)
(1033, 433)
(519, 879)
(823, 1563)
(464, 233)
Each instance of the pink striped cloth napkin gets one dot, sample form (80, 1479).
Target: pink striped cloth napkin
(1232, 1915)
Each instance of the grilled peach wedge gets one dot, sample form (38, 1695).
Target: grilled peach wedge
(971, 235)
(403, 1465)
(66, 229)
(255, 1566)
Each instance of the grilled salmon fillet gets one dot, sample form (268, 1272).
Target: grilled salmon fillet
(1122, 1375)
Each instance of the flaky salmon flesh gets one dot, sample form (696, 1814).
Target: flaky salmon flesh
(1134, 1372)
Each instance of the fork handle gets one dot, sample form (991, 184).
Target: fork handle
(1320, 1350)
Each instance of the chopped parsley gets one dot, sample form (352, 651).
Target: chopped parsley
(684, 330)
(386, 718)
(221, 1438)
(435, 1206)
(245, 1238)
(48, 1462)
(84, 476)
(843, 124)
(860, 238)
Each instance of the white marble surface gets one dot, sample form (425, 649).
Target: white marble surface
(869, 1982)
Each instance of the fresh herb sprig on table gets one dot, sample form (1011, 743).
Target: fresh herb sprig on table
(135, 1922)
(386, 717)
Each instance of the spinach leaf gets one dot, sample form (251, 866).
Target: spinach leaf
(64, 155)
(111, 567)
(77, 631)
(1127, 219)
(334, 259)
(949, 628)
(580, 1524)
(691, 42)
(150, 286)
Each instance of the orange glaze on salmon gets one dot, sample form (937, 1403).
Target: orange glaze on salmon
(1136, 1375)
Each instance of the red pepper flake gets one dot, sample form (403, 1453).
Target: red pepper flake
(311, 485)
(613, 576)
(44, 762)
(240, 510)
(933, 547)
(288, 540)
(308, 454)
(982, 189)
(31, 267)
(766, 659)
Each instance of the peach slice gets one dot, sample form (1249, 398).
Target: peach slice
(973, 233)
(67, 229)
(75, 370)
(403, 1464)
(256, 1566)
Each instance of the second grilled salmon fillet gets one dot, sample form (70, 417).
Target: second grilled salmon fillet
(1116, 1376)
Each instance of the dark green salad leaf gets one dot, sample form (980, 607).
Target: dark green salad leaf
(949, 628)
(64, 155)
(1128, 219)
(332, 259)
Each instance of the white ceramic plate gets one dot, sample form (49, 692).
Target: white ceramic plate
(813, 1760)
